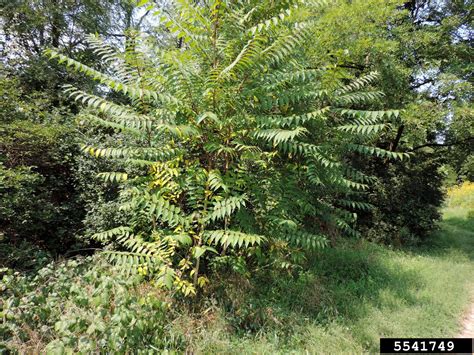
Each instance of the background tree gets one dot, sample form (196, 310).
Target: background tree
(37, 122)
(420, 49)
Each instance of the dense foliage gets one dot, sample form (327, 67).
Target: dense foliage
(396, 219)
(234, 158)
(229, 150)
(419, 48)
(39, 201)
(37, 131)
(103, 311)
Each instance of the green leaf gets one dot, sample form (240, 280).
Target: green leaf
(198, 252)
(142, 2)
(212, 116)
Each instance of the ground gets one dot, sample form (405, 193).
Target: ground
(468, 324)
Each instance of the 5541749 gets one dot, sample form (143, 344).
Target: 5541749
(428, 345)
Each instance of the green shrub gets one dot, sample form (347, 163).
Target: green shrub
(407, 198)
(39, 200)
(22, 256)
(82, 305)
(19, 207)
(99, 198)
(467, 169)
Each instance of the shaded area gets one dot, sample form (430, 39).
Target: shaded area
(358, 291)
(456, 235)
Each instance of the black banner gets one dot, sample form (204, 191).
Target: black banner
(426, 345)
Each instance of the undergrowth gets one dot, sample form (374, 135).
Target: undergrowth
(348, 297)
(343, 300)
(81, 305)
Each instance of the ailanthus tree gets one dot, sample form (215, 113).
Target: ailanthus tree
(235, 144)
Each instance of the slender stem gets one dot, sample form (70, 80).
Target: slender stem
(202, 227)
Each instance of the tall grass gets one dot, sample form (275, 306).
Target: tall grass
(462, 195)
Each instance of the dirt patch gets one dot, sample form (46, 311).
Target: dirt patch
(468, 324)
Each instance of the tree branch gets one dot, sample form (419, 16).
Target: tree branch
(396, 141)
(352, 66)
(463, 141)
(418, 85)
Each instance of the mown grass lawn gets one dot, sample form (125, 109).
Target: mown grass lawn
(357, 293)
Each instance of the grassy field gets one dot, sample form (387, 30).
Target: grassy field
(352, 296)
